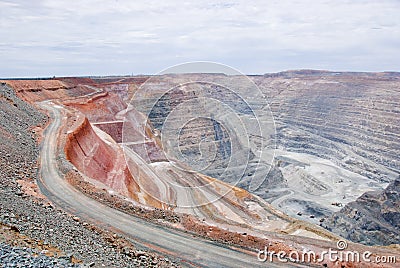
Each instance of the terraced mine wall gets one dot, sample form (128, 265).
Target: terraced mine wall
(350, 118)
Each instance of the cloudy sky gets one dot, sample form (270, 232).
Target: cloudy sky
(87, 37)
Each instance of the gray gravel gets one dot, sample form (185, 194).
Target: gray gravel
(26, 257)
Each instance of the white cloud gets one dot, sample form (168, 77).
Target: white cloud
(104, 37)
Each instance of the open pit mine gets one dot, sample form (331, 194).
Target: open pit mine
(294, 161)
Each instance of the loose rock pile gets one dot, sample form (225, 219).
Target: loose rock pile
(26, 257)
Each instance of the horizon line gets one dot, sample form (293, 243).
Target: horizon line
(291, 71)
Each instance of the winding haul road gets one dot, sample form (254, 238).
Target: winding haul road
(191, 251)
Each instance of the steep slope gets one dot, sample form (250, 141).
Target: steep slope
(18, 148)
(373, 219)
(102, 160)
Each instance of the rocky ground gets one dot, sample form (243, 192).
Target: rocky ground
(374, 218)
(40, 224)
(27, 257)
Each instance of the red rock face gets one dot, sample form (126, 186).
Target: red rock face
(103, 162)
(97, 160)
(88, 153)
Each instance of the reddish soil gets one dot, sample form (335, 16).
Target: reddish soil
(29, 187)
